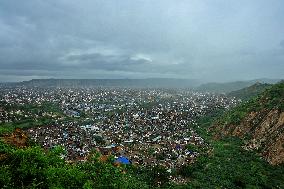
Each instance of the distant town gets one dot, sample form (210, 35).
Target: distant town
(147, 127)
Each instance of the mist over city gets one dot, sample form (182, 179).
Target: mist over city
(142, 94)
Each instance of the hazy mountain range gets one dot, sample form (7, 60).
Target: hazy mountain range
(142, 83)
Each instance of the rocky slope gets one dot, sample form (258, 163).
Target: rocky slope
(260, 122)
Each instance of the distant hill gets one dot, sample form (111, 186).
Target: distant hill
(8, 84)
(232, 86)
(129, 83)
(250, 92)
(140, 83)
(260, 122)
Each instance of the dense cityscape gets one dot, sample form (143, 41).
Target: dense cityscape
(146, 126)
(141, 94)
(156, 136)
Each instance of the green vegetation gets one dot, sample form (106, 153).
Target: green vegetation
(23, 124)
(32, 167)
(228, 165)
(271, 98)
(274, 97)
(30, 115)
(250, 92)
(34, 108)
(154, 177)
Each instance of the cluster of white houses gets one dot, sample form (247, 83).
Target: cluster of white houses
(148, 126)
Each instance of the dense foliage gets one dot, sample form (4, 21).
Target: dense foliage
(32, 167)
(228, 165)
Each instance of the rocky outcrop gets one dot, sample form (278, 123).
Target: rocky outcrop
(259, 122)
(262, 131)
(18, 138)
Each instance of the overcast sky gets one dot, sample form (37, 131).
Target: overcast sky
(210, 40)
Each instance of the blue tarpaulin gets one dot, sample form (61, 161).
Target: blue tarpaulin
(122, 160)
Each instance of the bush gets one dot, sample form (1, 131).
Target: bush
(32, 167)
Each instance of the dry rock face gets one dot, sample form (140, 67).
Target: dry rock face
(263, 131)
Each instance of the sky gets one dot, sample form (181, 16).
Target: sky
(208, 40)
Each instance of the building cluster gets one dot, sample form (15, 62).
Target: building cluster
(147, 126)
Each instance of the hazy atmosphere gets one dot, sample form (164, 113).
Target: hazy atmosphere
(142, 94)
(220, 40)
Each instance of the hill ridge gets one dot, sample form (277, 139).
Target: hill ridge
(260, 122)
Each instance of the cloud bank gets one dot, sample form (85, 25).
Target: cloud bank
(209, 40)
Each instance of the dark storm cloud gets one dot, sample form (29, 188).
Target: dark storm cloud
(209, 40)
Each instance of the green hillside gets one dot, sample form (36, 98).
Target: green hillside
(271, 98)
(232, 86)
(224, 87)
(250, 92)
(229, 164)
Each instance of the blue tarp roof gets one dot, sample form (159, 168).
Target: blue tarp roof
(122, 160)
